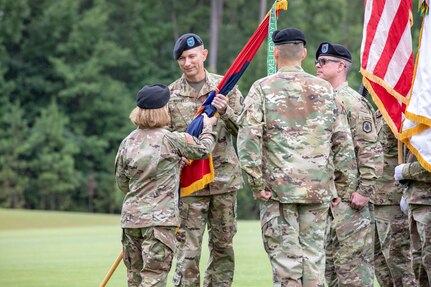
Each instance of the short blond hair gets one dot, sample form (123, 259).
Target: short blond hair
(290, 51)
(150, 118)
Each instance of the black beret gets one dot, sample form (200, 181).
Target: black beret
(186, 42)
(288, 35)
(334, 50)
(153, 96)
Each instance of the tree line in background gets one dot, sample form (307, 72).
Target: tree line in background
(70, 70)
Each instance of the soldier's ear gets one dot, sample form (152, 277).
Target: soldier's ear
(205, 54)
(304, 54)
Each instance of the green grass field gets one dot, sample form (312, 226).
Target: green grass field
(69, 249)
(43, 248)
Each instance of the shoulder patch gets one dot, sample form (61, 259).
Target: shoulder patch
(190, 139)
(367, 127)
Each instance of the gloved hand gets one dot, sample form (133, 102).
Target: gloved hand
(404, 206)
(398, 172)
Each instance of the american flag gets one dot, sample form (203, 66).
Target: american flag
(387, 57)
(416, 132)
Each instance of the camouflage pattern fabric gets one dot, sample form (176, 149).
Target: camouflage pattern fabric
(349, 247)
(184, 103)
(357, 236)
(388, 190)
(148, 254)
(196, 210)
(418, 179)
(293, 237)
(369, 153)
(392, 254)
(418, 193)
(147, 171)
(286, 137)
(420, 234)
(219, 212)
(290, 130)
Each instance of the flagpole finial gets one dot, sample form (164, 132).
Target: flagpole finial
(423, 7)
(281, 5)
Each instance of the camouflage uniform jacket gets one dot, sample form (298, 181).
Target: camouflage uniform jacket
(183, 105)
(290, 132)
(147, 171)
(419, 181)
(388, 190)
(368, 150)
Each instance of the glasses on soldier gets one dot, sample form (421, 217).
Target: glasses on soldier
(324, 61)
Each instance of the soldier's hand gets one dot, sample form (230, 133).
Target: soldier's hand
(358, 201)
(209, 121)
(220, 103)
(262, 195)
(183, 162)
(398, 172)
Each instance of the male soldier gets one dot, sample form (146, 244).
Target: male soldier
(214, 205)
(419, 203)
(350, 235)
(392, 253)
(289, 130)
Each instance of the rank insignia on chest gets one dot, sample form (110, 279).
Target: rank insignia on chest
(367, 127)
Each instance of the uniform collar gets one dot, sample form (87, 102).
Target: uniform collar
(291, 69)
(342, 86)
(188, 91)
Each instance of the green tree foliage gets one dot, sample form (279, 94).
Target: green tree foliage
(13, 161)
(51, 172)
(70, 70)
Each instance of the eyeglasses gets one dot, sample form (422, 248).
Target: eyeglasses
(324, 61)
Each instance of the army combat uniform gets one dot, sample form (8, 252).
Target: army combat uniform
(349, 244)
(419, 199)
(216, 204)
(289, 130)
(147, 171)
(392, 253)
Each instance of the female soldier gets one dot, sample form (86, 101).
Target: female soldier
(147, 168)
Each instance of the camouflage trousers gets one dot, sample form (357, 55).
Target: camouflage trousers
(148, 254)
(420, 236)
(349, 246)
(219, 213)
(293, 237)
(392, 254)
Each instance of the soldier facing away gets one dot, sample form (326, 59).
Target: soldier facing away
(349, 244)
(147, 169)
(289, 130)
(215, 205)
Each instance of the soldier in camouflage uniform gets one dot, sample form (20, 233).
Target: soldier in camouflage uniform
(289, 130)
(419, 202)
(215, 205)
(147, 168)
(392, 253)
(349, 245)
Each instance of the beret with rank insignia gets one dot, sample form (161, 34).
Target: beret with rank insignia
(334, 50)
(186, 42)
